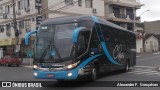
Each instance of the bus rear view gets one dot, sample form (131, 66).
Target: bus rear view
(68, 48)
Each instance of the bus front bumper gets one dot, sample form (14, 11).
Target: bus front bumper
(63, 75)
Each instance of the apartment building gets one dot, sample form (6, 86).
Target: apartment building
(26, 13)
(30, 13)
(120, 12)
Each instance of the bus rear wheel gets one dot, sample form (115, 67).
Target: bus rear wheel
(127, 65)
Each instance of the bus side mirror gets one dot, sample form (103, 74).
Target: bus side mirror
(28, 35)
(76, 33)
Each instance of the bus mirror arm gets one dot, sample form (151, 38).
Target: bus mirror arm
(28, 35)
(76, 33)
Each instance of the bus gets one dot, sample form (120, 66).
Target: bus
(70, 47)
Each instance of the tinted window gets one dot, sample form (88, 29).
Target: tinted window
(86, 23)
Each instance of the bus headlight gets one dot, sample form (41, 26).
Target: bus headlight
(35, 67)
(71, 66)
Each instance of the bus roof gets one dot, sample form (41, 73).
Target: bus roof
(72, 19)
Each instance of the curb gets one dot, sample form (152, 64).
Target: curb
(148, 54)
(27, 66)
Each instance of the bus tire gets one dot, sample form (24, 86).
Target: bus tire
(93, 75)
(127, 65)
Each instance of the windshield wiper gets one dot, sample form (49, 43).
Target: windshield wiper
(51, 44)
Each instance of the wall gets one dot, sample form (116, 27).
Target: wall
(139, 45)
(151, 47)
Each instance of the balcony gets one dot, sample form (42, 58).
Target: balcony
(126, 3)
(122, 18)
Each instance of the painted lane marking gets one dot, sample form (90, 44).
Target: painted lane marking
(146, 73)
(145, 70)
(156, 53)
(144, 67)
(149, 58)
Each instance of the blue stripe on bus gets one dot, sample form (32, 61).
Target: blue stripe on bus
(28, 35)
(84, 63)
(75, 34)
(95, 19)
(107, 53)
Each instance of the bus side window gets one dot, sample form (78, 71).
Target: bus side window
(107, 34)
(81, 43)
(116, 36)
(122, 37)
(128, 38)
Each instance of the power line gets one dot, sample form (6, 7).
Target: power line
(59, 8)
(53, 5)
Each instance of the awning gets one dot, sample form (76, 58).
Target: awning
(9, 41)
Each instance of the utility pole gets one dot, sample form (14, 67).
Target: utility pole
(15, 19)
(17, 47)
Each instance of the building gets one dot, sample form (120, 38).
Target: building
(152, 42)
(26, 14)
(140, 39)
(152, 27)
(30, 13)
(120, 12)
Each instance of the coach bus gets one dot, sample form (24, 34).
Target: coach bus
(68, 48)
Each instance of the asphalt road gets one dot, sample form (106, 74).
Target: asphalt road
(145, 70)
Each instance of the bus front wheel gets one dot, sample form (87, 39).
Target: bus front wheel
(93, 75)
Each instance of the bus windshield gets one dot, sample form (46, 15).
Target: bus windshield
(54, 42)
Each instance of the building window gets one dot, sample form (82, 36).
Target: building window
(8, 27)
(21, 25)
(1, 10)
(69, 2)
(89, 3)
(80, 3)
(7, 9)
(27, 24)
(1, 28)
(116, 12)
(130, 13)
(21, 4)
(26, 3)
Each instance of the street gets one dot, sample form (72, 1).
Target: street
(145, 70)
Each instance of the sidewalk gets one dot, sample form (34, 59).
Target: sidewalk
(27, 62)
(147, 53)
(27, 66)
(144, 53)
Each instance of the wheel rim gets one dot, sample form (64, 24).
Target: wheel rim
(94, 74)
(127, 67)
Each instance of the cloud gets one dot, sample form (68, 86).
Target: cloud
(153, 6)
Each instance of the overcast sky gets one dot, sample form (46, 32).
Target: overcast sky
(153, 14)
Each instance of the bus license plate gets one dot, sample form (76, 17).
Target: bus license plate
(50, 75)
